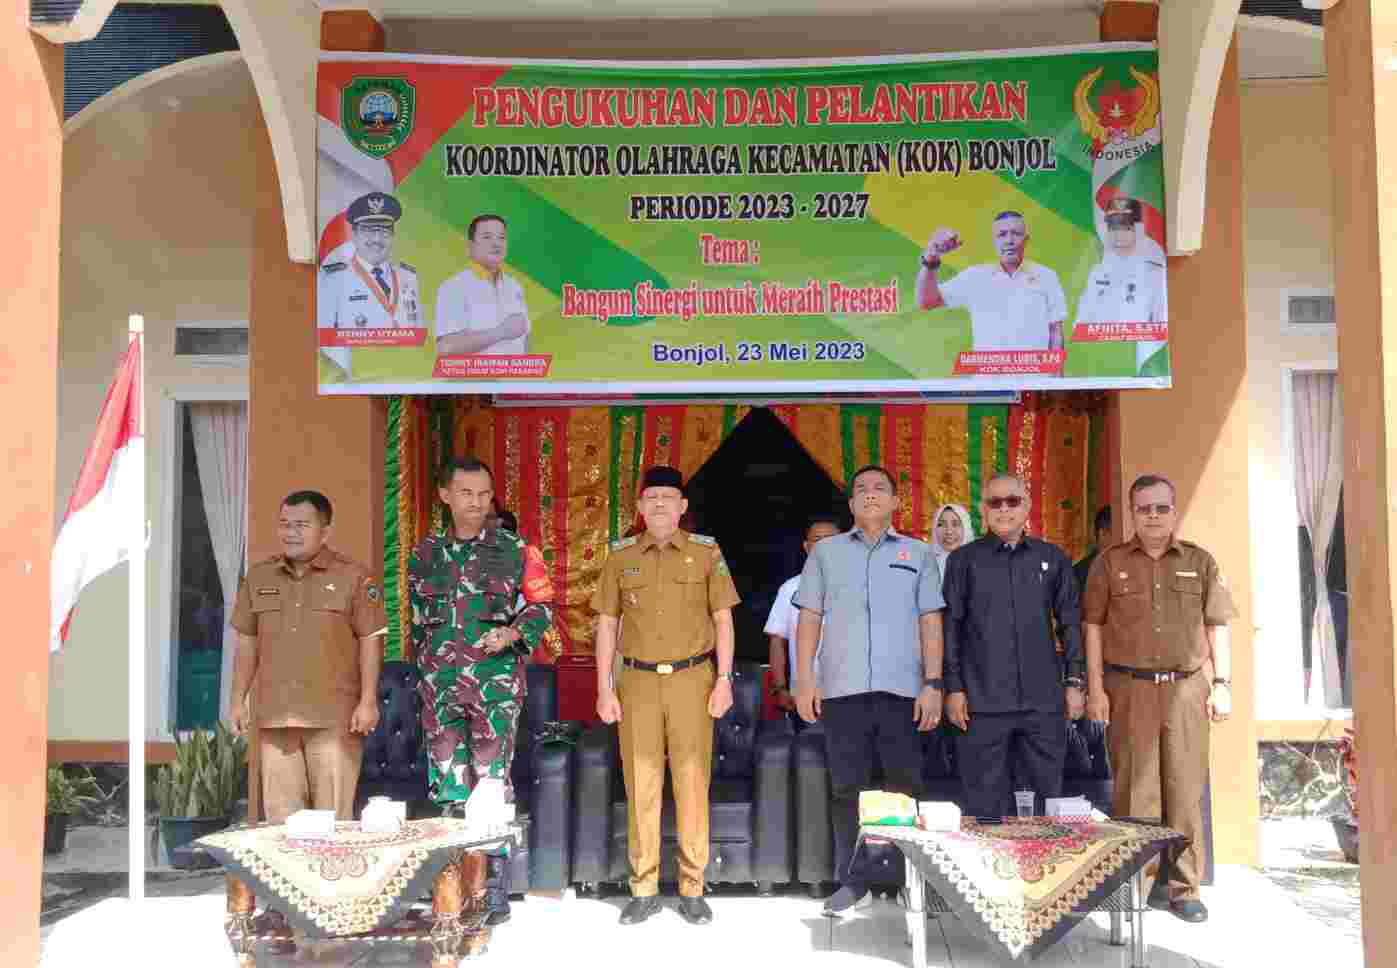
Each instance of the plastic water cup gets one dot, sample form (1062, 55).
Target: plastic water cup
(1023, 800)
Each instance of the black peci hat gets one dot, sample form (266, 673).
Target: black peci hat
(662, 476)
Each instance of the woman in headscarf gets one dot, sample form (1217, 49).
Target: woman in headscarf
(950, 529)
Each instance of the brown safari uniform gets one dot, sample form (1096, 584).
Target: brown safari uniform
(307, 681)
(665, 595)
(1152, 615)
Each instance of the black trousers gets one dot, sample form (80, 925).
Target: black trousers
(1000, 750)
(861, 731)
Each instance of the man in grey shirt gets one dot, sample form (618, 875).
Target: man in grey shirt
(878, 681)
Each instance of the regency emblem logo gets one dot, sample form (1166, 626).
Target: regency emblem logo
(378, 113)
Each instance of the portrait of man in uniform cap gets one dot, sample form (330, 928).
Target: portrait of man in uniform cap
(1129, 284)
(360, 286)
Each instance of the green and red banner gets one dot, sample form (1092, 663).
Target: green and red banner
(962, 222)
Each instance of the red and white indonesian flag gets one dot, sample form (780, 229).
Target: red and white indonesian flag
(95, 535)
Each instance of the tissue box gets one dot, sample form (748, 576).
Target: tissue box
(383, 816)
(938, 815)
(877, 807)
(1069, 807)
(311, 823)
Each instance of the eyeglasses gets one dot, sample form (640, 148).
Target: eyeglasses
(1012, 501)
(375, 231)
(1159, 510)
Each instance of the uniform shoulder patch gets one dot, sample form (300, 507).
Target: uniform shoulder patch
(623, 543)
(371, 591)
(334, 266)
(408, 266)
(703, 539)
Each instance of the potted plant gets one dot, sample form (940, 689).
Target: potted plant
(1346, 827)
(66, 796)
(196, 792)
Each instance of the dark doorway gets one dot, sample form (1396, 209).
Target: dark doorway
(755, 495)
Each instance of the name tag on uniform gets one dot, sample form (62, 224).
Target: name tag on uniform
(359, 297)
(1186, 574)
(630, 571)
(269, 591)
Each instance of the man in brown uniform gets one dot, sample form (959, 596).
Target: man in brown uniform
(309, 624)
(1155, 615)
(672, 595)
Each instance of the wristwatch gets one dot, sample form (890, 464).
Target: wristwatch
(931, 264)
(1222, 682)
(725, 675)
(1076, 682)
(937, 683)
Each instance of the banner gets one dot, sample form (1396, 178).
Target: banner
(934, 223)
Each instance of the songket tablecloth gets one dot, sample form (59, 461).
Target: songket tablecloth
(1024, 883)
(352, 883)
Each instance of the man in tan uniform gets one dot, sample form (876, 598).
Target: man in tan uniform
(1155, 615)
(672, 595)
(309, 624)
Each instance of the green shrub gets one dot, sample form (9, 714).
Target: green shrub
(69, 794)
(207, 776)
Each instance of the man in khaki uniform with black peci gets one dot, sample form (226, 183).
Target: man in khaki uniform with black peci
(672, 596)
(1158, 668)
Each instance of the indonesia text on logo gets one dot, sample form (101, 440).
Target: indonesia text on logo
(377, 113)
(1121, 114)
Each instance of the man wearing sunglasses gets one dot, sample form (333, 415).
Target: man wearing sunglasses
(1156, 613)
(1007, 687)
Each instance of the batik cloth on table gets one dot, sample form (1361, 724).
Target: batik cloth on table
(351, 883)
(1023, 884)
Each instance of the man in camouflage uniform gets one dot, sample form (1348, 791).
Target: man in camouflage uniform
(480, 604)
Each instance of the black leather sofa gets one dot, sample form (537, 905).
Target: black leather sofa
(1087, 773)
(395, 765)
(751, 813)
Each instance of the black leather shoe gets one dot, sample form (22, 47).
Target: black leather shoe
(640, 908)
(498, 915)
(496, 890)
(695, 910)
(1191, 911)
(1159, 896)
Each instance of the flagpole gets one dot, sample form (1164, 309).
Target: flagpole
(136, 646)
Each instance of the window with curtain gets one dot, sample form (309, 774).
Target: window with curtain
(1319, 468)
(210, 551)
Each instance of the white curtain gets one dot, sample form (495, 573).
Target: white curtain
(1319, 474)
(220, 448)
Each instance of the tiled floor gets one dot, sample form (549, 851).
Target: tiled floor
(1254, 923)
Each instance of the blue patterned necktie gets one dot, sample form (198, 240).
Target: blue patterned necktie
(383, 281)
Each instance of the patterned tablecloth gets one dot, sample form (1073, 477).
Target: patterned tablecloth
(353, 882)
(1024, 883)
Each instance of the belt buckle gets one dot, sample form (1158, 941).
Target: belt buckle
(664, 668)
(1160, 677)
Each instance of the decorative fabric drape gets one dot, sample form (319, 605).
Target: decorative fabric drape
(1319, 475)
(570, 473)
(220, 450)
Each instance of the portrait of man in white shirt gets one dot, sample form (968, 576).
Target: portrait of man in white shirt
(1014, 304)
(481, 309)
